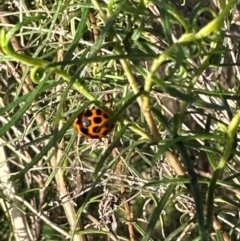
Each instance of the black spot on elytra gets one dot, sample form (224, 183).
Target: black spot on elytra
(88, 113)
(105, 115)
(79, 120)
(84, 131)
(96, 129)
(105, 133)
(93, 136)
(97, 120)
(98, 111)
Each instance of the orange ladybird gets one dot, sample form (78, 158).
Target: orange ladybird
(92, 123)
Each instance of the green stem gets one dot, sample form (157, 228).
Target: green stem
(231, 135)
(38, 63)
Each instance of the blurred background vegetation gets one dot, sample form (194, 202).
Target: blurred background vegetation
(168, 73)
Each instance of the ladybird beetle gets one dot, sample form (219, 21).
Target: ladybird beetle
(91, 123)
